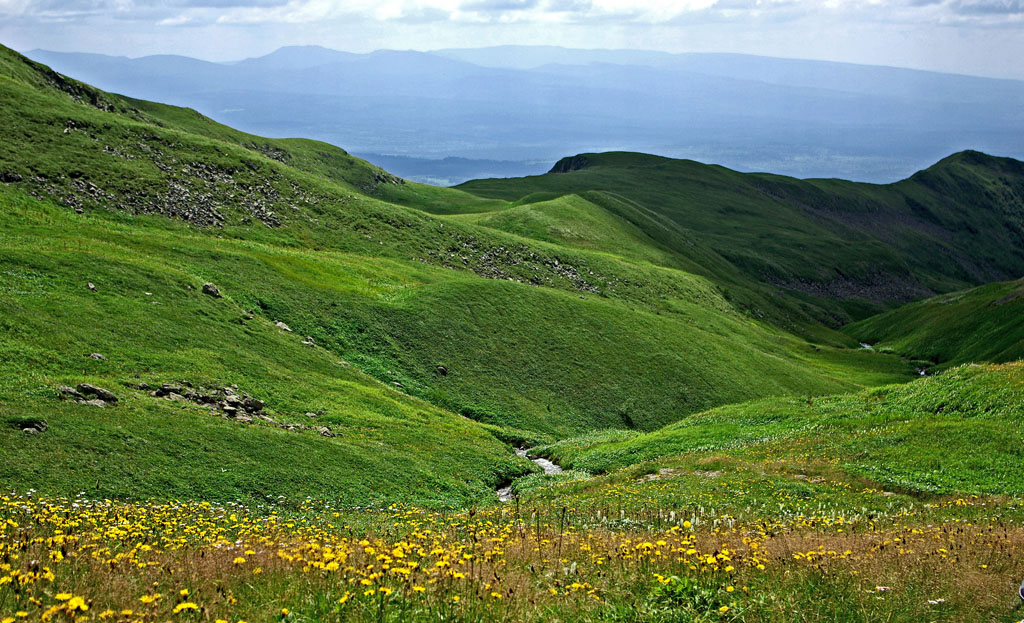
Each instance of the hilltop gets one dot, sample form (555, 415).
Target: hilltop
(395, 312)
(537, 104)
(839, 250)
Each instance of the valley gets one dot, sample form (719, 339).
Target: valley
(254, 379)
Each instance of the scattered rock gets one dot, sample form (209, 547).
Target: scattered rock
(282, 326)
(398, 385)
(443, 371)
(96, 356)
(308, 341)
(95, 402)
(99, 393)
(252, 405)
(166, 390)
(229, 403)
(209, 288)
(70, 392)
(32, 427)
(91, 287)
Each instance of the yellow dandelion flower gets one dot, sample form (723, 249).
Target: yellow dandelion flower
(77, 603)
(185, 605)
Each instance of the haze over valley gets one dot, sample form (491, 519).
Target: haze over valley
(448, 116)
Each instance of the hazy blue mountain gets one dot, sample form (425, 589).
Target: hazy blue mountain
(529, 104)
(298, 57)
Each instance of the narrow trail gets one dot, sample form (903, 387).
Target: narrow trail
(505, 493)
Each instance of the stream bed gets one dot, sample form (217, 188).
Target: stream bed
(505, 493)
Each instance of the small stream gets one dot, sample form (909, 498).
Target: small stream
(505, 493)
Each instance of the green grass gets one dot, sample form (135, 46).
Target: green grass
(389, 445)
(625, 319)
(295, 231)
(953, 433)
(552, 317)
(842, 250)
(981, 324)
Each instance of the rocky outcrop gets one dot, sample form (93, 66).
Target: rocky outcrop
(570, 163)
(88, 394)
(229, 403)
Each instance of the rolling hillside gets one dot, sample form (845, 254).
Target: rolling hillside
(980, 324)
(399, 321)
(840, 250)
(250, 379)
(535, 104)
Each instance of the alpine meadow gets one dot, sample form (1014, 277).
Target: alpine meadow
(249, 379)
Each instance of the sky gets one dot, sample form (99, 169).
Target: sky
(980, 37)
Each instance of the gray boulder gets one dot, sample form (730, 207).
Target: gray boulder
(97, 392)
(70, 392)
(209, 288)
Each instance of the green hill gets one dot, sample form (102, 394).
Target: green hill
(259, 379)
(449, 330)
(952, 433)
(981, 324)
(840, 250)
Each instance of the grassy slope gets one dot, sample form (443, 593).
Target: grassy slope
(955, 432)
(514, 359)
(389, 445)
(842, 249)
(981, 324)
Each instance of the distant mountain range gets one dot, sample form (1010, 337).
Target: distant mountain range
(528, 106)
